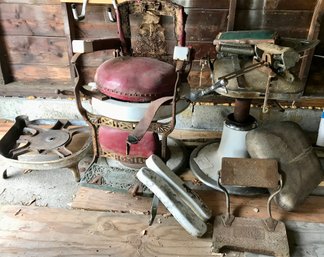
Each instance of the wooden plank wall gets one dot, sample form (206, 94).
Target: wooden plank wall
(33, 33)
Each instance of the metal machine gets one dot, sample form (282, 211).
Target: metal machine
(250, 65)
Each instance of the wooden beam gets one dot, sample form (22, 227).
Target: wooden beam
(39, 232)
(70, 33)
(312, 210)
(212, 4)
(19, 89)
(312, 35)
(5, 74)
(231, 15)
(92, 1)
(184, 134)
(5, 77)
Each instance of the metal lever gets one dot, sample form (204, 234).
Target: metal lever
(228, 218)
(76, 16)
(155, 204)
(223, 81)
(270, 222)
(194, 95)
(111, 17)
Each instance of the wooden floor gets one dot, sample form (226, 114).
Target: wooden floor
(121, 228)
(312, 210)
(40, 231)
(113, 224)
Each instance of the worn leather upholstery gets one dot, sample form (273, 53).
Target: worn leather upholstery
(113, 140)
(135, 79)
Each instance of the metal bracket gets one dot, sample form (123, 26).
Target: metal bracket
(111, 17)
(76, 16)
(154, 207)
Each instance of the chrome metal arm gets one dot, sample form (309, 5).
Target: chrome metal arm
(76, 16)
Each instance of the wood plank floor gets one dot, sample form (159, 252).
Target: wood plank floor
(93, 199)
(44, 232)
(34, 231)
(48, 232)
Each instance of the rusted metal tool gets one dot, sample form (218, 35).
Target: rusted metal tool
(45, 145)
(266, 236)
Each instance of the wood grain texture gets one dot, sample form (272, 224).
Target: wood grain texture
(5, 73)
(37, 50)
(276, 5)
(222, 4)
(93, 199)
(37, 231)
(44, 2)
(182, 134)
(201, 25)
(70, 35)
(286, 23)
(92, 1)
(313, 33)
(34, 19)
(41, 73)
(44, 232)
(5, 125)
(32, 88)
(31, 20)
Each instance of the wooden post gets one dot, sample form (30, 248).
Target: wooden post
(70, 34)
(5, 74)
(231, 15)
(312, 35)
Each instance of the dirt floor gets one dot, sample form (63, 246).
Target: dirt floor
(52, 188)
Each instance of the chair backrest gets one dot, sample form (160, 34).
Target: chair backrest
(149, 37)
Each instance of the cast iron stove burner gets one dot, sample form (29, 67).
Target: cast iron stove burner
(45, 144)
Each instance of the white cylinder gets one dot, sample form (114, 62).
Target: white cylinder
(320, 136)
(232, 144)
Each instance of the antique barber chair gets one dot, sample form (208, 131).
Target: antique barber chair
(250, 65)
(137, 88)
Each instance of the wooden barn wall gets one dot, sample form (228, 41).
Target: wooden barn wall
(34, 47)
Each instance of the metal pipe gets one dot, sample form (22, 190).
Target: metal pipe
(242, 110)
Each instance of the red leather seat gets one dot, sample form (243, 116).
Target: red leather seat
(135, 79)
(113, 140)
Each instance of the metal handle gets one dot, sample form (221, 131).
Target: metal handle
(223, 81)
(76, 16)
(228, 218)
(111, 17)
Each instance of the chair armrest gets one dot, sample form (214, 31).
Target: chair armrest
(182, 53)
(92, 45)
(183, 57)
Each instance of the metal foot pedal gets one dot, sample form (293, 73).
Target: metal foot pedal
(246, 234)
(172, 201)
(186, 206)
(189, 197)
